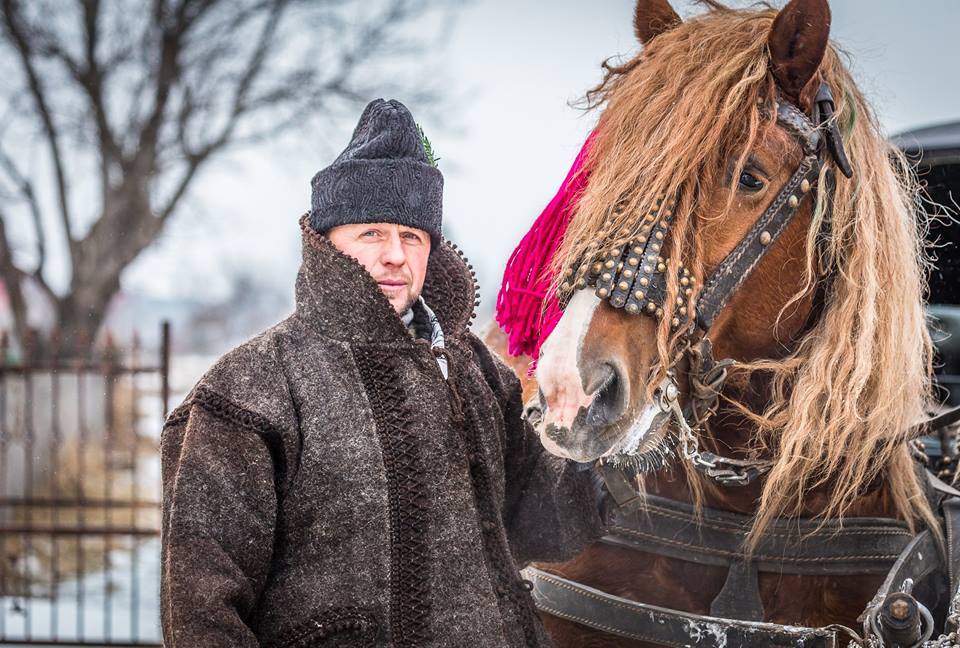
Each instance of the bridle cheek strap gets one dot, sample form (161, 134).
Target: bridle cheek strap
(743, 259)
(727, 278)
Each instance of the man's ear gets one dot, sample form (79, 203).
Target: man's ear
(653, 17)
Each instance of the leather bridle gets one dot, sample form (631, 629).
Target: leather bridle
(633, 277)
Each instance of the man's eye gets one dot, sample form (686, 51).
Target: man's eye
(370, 233)
(750, 182)
(413, 238)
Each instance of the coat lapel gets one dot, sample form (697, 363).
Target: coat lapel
(338, 298)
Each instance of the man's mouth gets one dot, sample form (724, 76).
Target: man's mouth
(391, 283)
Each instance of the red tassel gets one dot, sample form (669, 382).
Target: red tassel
(525, 311)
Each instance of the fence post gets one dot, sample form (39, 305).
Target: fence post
(165, 365)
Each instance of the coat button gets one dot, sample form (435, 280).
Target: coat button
(488, 525)
(501, 590)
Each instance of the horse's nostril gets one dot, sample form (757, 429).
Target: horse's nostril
(601, 379)
(609, 403)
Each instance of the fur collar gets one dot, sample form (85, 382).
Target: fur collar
(338, 298)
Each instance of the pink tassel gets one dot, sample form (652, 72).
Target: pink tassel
(525, 311)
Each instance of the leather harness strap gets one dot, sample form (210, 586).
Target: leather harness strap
(864, 545)
(951, 514)
(942, 420)
(673, 529)
(616, 615)
(737, 266)
(791, 546)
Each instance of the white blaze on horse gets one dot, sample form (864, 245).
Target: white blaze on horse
(741, 335)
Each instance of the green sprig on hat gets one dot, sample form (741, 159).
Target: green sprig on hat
(427, 147)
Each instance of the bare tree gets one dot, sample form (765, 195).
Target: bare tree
(112, 107)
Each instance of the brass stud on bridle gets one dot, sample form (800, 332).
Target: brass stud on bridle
(633, 276)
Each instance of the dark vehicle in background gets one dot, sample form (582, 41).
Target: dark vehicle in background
(936, 151)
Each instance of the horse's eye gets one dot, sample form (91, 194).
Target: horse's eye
(750, 182)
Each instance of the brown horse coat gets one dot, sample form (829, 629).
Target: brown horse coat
(322, 483)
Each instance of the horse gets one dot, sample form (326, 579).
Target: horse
(702, 211)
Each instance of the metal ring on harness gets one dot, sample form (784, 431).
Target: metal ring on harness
(928, 624)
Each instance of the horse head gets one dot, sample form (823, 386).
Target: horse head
(718, 123)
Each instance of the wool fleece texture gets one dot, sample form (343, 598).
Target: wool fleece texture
(324, 485)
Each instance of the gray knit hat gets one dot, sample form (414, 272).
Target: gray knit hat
(383, 176)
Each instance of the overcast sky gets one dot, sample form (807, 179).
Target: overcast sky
(516, 65)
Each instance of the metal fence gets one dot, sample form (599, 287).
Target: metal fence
(79, 496)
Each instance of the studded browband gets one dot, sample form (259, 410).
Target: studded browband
(633, 277)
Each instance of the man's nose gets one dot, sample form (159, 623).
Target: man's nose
(393, 252)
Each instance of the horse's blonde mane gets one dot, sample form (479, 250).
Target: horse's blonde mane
(701, 95)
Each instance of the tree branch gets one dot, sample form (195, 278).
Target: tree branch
(25, 187)
(11, 21)
(91, 79)
(12, 278)
(169, 70)
(246, 81)
(252, 71)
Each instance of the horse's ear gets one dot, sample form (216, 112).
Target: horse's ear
(653, 17)
(797, 42)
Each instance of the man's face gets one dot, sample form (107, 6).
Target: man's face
(394, 255)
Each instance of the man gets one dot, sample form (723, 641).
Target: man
(359, 474)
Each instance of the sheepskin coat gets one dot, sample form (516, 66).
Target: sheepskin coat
(324, 485)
